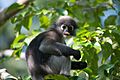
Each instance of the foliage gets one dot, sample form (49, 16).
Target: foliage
(97, 38)
(4, 75)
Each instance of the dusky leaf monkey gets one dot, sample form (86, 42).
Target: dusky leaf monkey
(48, 54)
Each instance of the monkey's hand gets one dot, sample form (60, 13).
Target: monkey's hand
(77, 54)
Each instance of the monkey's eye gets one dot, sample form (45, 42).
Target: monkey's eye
(71, 28)
(63, 27)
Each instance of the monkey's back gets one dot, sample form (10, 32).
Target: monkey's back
(42, 64)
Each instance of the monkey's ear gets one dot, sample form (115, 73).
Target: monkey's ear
(54, 25)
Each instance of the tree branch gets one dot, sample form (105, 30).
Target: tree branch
(10, 14)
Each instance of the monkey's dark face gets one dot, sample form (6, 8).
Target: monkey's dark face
(67, 25)
(67, 30)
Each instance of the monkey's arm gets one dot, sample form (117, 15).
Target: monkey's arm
(52, 47)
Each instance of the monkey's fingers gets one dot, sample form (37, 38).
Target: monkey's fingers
(77, 55)
(78, 65)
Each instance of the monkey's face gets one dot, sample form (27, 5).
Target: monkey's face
(67, 25)
(67, 30)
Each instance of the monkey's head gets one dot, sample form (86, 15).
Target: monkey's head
(67, 25)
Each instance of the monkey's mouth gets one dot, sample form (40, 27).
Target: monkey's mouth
(66, 33)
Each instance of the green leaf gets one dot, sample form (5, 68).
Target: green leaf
(104, 70)
(118, 21)
(55, 77)
(116, 56)
(45, 12)
(14, 6)
(27, 22)
(117, 2)
(90, 53)
(62, 11)
(16, 43)
(17, 53)
(44, 21)
(72, 1)
(110, 13)
(18, 38)
(116, 34)
(97, 46)
(18, 27)
(106, 51)
(16, 19)
(76, 78)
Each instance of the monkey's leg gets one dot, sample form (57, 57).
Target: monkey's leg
(78, 65)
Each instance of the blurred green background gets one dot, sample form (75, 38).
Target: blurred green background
(98, 36)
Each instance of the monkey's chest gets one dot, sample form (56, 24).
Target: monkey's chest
(59, 63)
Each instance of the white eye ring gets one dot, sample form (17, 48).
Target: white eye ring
(63, 27)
